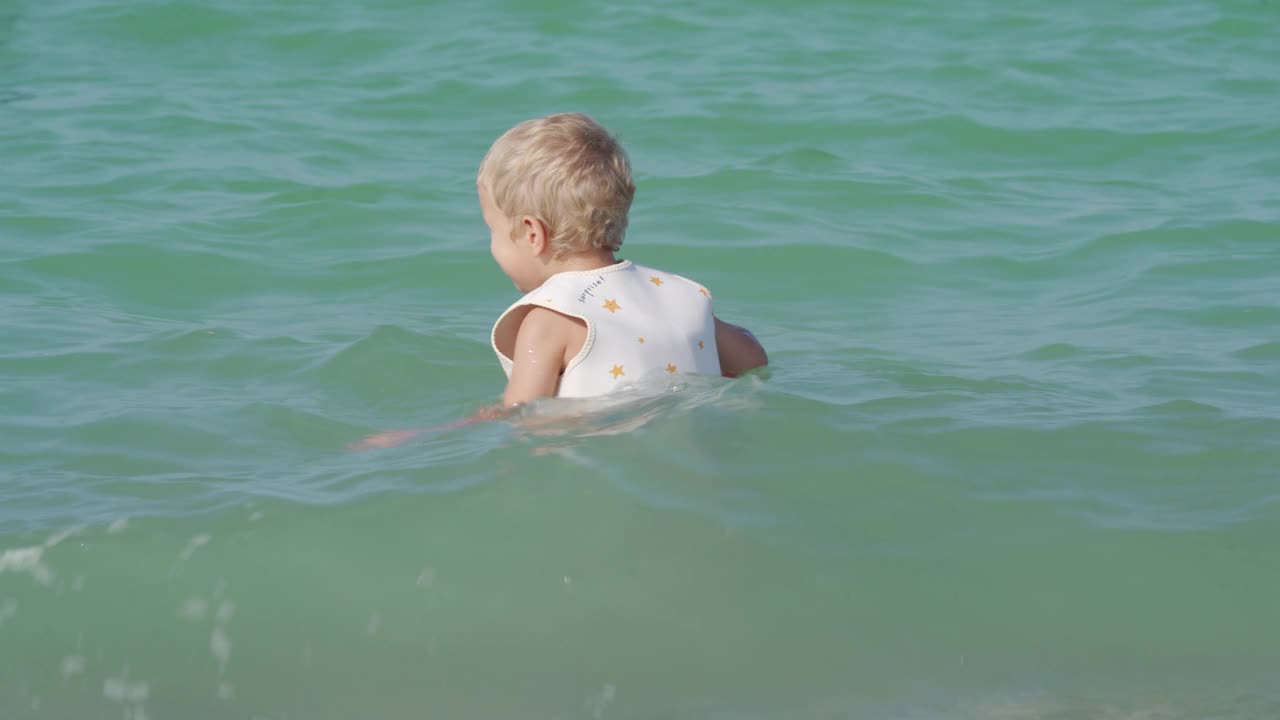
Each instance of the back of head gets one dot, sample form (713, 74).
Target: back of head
(567, 171)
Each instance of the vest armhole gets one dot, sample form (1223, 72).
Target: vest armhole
(504, 331)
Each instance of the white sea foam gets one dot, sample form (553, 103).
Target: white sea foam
(27, 560)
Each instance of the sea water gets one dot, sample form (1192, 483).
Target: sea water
(1017, 267)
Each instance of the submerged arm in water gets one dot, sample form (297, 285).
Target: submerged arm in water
(399, 437)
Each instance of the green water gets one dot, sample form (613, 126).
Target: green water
(1017, 266)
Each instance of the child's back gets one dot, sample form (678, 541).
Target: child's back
(640, 322)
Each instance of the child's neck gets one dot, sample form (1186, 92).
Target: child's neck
(579, 262)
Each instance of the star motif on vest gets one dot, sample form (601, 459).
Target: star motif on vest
(612, 305)
(617, 372)
(671, 368)
(656, 280)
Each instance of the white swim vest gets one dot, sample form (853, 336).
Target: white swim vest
(640, 322)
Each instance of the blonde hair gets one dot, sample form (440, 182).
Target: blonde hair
(567, 171)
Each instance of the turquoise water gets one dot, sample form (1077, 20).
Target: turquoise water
(1017, 266)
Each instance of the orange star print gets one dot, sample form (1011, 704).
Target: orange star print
(656, 280)
(612, 305)
(671, 368)
(617, 372)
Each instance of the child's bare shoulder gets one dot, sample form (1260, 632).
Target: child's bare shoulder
(543, 329)
(545, 322)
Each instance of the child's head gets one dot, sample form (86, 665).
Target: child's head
(569, 173)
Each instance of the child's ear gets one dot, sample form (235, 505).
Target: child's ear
(535, 234)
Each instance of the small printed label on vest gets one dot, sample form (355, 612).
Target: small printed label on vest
(588, 292)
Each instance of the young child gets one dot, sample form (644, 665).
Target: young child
(555, 193)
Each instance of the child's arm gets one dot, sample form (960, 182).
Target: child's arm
(538, 357)
(383, 440)
(739, 349)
